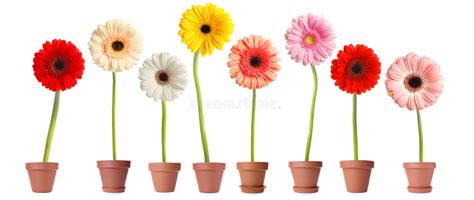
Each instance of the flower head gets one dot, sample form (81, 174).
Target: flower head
(163, 77)
(356, 69)
(58, 65)
(414, 82)
(116, 45)
(205, 28)
(310, 39)
(253, 62)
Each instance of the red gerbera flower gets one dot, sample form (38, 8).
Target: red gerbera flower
(58, 65)
(356, 69)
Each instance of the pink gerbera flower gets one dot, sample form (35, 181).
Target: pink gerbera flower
(414, 82)
(253, 62)
(310, 39)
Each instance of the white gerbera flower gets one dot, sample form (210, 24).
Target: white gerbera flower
(116, 45)
(163, 77)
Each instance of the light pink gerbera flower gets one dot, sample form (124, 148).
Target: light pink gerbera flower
(310, 39)
(414, 82)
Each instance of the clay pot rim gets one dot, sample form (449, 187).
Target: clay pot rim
(419, 165)
(42, 165)
(364, 164)
(256, 166)
(113, 163)
(168, 166)
(209, 166)
(305, 164)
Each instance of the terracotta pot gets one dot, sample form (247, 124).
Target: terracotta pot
(42, 176)
(113, 174)
(164, 176)
(305, 175)
(357, 174)
(419, 176)
(209, 176)
(252, 176)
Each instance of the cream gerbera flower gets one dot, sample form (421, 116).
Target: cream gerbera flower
(116, 45)
(163, 77)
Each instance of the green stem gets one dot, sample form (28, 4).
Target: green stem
(52, 124)
(420, 134)
(200, 110)
(311, 118)
(252, 131)
(354, 126)
(163, 130)
(114, 147)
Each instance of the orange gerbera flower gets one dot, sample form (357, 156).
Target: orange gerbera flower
(253, 62)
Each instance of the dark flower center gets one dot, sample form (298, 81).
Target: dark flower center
(255, 61)
(59, 65)
(205, 29)
(118, 46)
(415, 82)
(162, 77)
(357, 68)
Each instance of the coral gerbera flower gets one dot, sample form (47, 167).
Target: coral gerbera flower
(205, 28)
(116, 45)
(414, 82)
(253, 62)
(163, 77)
(58, 65)
(310, 39)
(356, 69)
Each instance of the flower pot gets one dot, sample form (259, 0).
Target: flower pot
(252, 176)
(164, 176)
(42, 176)
(419, 176)
(113, 174)
(357, 174)
(305, 175)
(209, 176)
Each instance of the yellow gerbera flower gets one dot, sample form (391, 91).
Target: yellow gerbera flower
(205, 28)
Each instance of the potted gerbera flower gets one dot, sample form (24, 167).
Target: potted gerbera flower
(310, 40)
(115, 46)
(203, 29)
(253, 64)
(356, 70)
(163, 78)
(416, 83)
(57, 67)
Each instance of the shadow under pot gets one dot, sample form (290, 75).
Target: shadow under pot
(419, 176)
(113, 174)
(252, 176)
(42, 175)
(305, 175)
(164, 176)
(357, 174)
(209, 176)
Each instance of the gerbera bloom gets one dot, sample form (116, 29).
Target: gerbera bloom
(58, 65)
(205, 28)
(116, 45)
(253, 62)
(414, 82)
(163, 77)
(310, 39)
(356, 69)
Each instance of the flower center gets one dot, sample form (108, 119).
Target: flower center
(255, 61)
(59, 65)
(205, 29)
(161, 77)
(357, 68)
(118, 46)
(415, 82)
(309, 40)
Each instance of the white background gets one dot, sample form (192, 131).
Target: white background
(387, 133)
